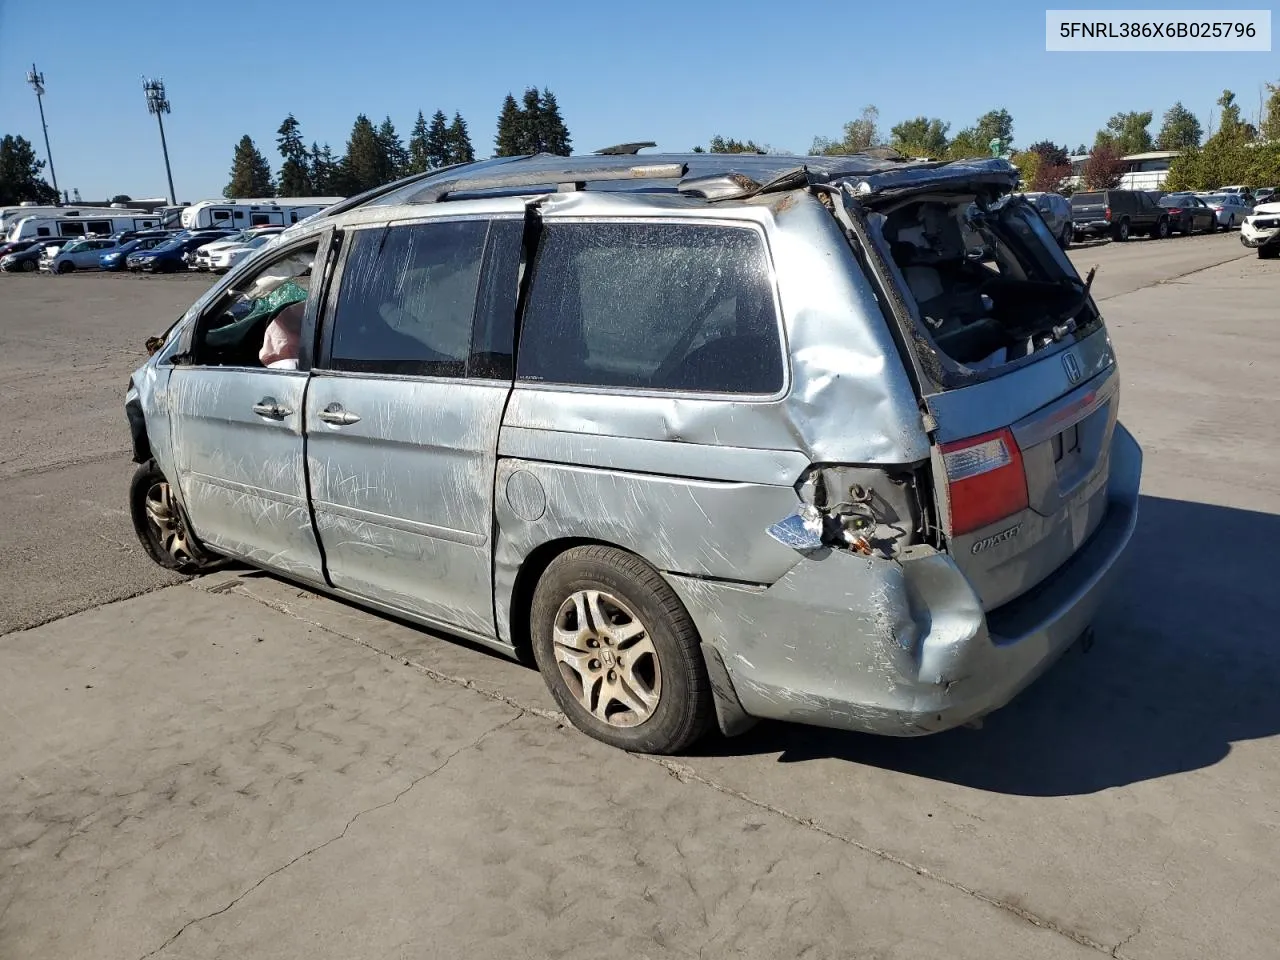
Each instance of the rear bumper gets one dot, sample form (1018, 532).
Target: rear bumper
(905, 649)
(1091, 226)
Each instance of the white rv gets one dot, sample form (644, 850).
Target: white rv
(75, 225)
(11, 215)
(238, 214)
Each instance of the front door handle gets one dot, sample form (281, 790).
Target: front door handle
(334, 413)
(270, 408)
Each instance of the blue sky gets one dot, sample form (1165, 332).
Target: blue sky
(674, 73)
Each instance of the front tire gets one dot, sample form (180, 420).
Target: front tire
(1269, 253)
(29, 266)
(66, 266)
(618, 651)
(161, 524)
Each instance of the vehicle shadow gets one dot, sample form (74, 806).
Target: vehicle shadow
(1183, 666)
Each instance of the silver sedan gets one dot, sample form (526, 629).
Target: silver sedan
(1230, 208)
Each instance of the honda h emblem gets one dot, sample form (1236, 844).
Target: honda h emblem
(1072, 366)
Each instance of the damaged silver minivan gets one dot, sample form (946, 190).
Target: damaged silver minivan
(711, 438)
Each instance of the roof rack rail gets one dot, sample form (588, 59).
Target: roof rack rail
(565, 180)
(625, 149)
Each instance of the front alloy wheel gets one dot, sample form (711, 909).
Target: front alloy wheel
(161, 525)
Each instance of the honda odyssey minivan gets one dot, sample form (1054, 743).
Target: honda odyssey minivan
(709, 438)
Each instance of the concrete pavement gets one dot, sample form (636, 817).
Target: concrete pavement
(196, 774)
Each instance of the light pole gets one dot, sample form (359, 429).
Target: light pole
(158, 104)
(36, 79)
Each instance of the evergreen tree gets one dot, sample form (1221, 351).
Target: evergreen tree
(393, 148)
(555, 135)
(438, 141)
(250, 172)
(365, 165)
(532, 126)
(418, 162)
(20, 173)
(460, 149)
(322, 171)
(508, 142)
(295, 177)
(1180, 130)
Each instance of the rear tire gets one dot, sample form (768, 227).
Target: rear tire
(618, 651)
(1121, 231)
(161, 524)
(1161, 231)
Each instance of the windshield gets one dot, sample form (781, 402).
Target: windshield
(167, 246)
(75, 245)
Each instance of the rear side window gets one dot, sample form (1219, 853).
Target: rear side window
(652, 306)
(407, 299)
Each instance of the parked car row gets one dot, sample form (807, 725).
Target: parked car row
(1121, 214)
(150, 251)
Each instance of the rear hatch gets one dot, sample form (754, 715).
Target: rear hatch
(1013, 364)
(1086, 207)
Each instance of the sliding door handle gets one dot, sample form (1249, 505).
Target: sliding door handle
(335, 414)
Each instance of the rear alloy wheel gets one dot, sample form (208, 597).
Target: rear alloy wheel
(1122, 231)
(1161, 231)
(618, 651)
(160, 524)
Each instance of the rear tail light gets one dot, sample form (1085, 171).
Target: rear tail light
(1108, 214)
(985, 480)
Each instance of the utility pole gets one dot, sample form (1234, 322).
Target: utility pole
(158, 104)
(36, 79)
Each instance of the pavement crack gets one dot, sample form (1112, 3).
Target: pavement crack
(1176, 278)
(336, 837)
(686, 774)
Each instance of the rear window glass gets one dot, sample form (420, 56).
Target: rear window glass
(1080, 199)
(652, 306)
